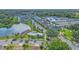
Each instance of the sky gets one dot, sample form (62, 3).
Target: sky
(39, 4)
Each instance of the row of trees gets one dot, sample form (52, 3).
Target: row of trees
(8, 22)
(63, 13)
(75, 29)
(76, 36)
(52, 33)
(57, 44)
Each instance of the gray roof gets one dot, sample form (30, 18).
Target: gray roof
(20, 28)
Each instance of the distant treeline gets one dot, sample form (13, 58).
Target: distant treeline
(60, 13)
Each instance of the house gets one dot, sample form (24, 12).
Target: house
(33, 33)
(50, 19)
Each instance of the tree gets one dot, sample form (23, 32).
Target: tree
(76, 36)
(8, 22)
(57, 44)
(9, 47)
(74, 27)
(27, 46)
(52, 33)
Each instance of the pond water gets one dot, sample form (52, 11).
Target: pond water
(16, 28)
(6, 32)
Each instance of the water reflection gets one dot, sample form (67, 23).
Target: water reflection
(16, 28)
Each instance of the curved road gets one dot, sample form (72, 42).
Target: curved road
(73, 47)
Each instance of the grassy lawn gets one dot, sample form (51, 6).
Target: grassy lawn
(7, 38)
(68, 33)
(25, 36)
(3, 38)
(57, 44)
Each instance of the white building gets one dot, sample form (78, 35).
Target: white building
(51, 19)
(33, 33)
(20, 28)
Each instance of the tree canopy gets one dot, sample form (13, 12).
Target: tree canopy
(57, 44)
(52, 33)
(7, 22)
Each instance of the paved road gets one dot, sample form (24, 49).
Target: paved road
(68, 42)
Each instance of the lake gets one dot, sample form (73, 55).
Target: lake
(16, 28)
